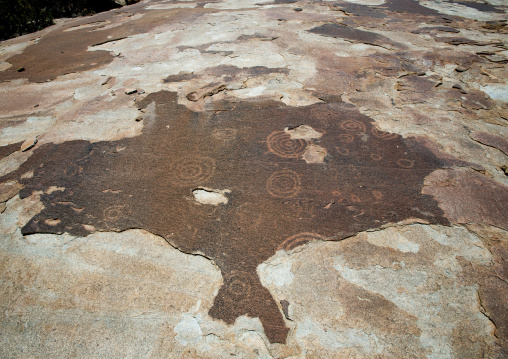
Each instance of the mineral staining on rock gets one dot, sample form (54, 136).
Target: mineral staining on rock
(369, 178)
(259, 134)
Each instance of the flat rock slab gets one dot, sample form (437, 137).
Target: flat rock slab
(290, 179)
(277, 200)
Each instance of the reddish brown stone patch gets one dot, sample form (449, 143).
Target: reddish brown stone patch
(350, 33)
(488, 139)
(410, 7)
(9, 149)
(277, 200)
(228, 73)
(493, 282)
(469, 197)
(60, 52)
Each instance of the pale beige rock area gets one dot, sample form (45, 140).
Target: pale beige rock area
(406, 289)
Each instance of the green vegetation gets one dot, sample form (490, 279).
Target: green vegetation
(18, 17)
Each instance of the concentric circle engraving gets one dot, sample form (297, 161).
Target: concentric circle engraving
(382, 135)
(238, 285)
(343, 151)
(113, 213)
(192, 170)
(346, 137)
(404, 163)
(299, 239)
(353, 126)
(281, 144)
(283, 184)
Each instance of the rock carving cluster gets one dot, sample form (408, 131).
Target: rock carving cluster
(275, 179)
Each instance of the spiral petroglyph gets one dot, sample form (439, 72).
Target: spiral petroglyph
(192, 170)
(283, 184)
(299, 239)
(281, 144)
(353, 126)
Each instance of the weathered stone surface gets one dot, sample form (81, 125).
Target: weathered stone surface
(282, 184)
(278, 186)
(488, 139)
(469, 197)
(398, 292)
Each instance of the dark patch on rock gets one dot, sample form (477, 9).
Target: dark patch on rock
(285, 308)
(409, 6)
(61, 52)
(359, 10)
(182, 76)
(493, 285)
(469, 197)
(56, 54)
(256, 37)
(415, 89)
(9, 149)
(432, 29)
(481, 6)
(350, 33)
(279, 2)
(230, 70)
(458, 41)
(494, 25)
(229, 73)
(488, 139)
(277, 200)
(472, 99)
